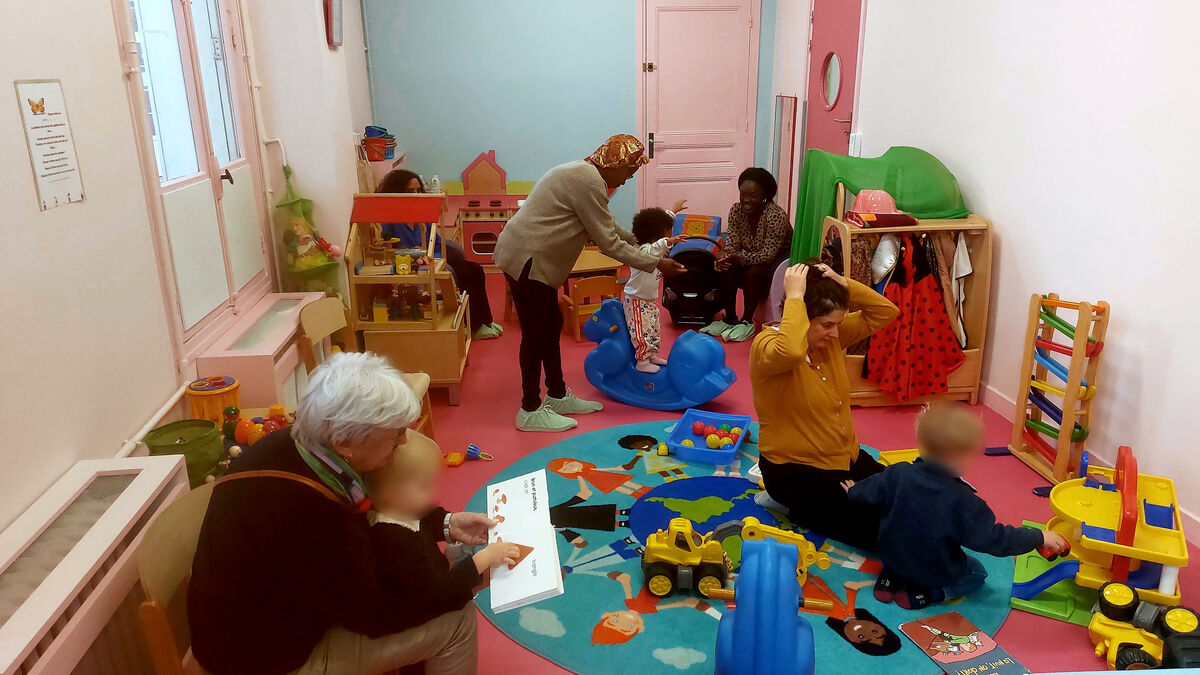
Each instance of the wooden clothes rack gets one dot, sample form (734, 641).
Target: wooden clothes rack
(963, 383)
(1073, 385)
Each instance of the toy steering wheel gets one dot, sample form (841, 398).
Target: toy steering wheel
(717, 243)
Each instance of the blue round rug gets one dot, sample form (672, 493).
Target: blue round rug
(608, 490)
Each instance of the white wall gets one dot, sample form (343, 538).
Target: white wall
(1075, 132)
(86, 353)
(792, 26)
(311, 98)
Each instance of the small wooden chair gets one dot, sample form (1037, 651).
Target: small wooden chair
(584, 299)
(322, 320)
(165, 565)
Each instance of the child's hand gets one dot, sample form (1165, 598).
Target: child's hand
(847, 484)
(678, 206)
(494, 555)
(671, 241)
(1053, 541)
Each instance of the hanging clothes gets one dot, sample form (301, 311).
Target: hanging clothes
(954, 266)
(914, 355)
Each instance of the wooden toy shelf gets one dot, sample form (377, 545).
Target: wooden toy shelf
(963, 384)
(432, 332)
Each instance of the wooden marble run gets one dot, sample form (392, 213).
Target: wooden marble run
(1122, 526)
(1038, 438)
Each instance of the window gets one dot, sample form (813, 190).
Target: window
(193, 93)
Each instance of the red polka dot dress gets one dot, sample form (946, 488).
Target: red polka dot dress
(914, 355)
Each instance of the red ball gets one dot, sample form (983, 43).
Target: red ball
(723, 433)
(733, 438)
(710, 430)
(698, 428)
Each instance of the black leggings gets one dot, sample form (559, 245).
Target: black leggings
(541, 322)
(755, 282)
(816, 500)
(471, 278)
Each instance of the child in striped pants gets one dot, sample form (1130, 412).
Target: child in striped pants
(652, 229)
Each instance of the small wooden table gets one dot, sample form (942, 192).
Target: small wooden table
(590, 263)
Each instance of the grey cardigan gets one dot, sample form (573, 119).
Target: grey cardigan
(567, 206)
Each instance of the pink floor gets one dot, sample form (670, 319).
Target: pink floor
(490, 398)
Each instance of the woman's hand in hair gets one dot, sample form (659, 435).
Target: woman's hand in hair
(828, 273)
(795, 281)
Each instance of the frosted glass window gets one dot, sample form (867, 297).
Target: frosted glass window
(165, 88)
(831, 79)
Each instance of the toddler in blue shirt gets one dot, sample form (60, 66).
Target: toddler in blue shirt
(929, 513)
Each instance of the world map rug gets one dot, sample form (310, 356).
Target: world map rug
(609, 490)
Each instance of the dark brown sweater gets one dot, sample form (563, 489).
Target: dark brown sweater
(278, 564)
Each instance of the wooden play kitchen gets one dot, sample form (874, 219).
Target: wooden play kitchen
(963, 383)
(416, 317)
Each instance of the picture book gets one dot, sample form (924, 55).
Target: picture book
(959, 647)
(523, 517)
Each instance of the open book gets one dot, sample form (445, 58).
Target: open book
(523, 514)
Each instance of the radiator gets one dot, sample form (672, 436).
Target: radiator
(69, 590)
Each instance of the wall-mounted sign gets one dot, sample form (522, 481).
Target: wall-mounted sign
(51, 145)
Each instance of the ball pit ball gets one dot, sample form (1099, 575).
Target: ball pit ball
(727, 446)
(688, 442)
(710, 430)
(733, 438)
(698, 428)
(724, 426)
(723, 433)
(736, 430)
(714, 441)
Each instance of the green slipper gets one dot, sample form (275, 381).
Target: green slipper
(716, 328)
(498, 327)
(739, 333)
(486, 332)
(570, 404)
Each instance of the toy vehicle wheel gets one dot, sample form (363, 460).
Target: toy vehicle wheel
(1177, 621)
(710, 576)
(1134, 658)
(1118, 601)
(660, 579)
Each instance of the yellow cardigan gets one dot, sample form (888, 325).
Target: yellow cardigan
(801, 394)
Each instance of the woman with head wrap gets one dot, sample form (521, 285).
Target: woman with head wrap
(758, 237)
(536, 251)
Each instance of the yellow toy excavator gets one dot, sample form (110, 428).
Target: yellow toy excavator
(751, 529)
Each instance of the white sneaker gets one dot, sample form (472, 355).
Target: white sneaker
(764, 500)
(572, 405)
(543, 419)
(646, 366)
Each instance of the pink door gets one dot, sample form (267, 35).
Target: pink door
(832, 66)
(698, 84)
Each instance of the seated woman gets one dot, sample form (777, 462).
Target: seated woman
(757, 238)
(806, 444)
(285, 578)
(467, 274)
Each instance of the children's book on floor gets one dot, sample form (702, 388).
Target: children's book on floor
(959, 647)
(523, 517)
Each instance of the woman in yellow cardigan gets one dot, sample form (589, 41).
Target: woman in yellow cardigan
(806, 442)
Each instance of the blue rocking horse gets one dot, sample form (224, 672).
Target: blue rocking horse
(694, 375)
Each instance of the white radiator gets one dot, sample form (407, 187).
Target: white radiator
(69, 589)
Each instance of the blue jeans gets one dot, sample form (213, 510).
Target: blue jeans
(968, 583)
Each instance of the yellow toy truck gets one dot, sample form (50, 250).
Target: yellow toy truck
(751, 529)
(677, 557)
(1122, 629)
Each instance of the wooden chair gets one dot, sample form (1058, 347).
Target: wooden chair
(321, 321)
(165, 565)
(584, 299)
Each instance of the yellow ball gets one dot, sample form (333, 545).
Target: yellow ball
(714, 441)
(688, 442)
(735, 430)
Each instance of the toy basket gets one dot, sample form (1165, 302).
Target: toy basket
(198, 442)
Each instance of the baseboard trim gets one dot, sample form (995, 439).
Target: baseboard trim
(1004, 406)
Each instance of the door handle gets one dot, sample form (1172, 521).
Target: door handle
(845, 121)
(650, 142)
(227, 176)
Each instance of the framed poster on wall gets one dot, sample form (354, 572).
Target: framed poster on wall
(51, 145)
(333, 23)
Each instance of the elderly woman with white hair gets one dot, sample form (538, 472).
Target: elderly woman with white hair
(285, 579)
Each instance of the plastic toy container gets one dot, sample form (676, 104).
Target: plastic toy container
(699, 450)
(197, 440)
(209, 396)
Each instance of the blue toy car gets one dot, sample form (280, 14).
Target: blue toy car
(694, 375)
